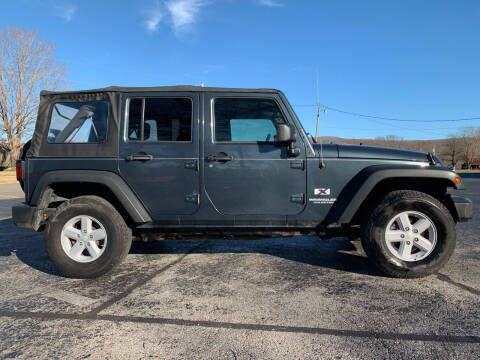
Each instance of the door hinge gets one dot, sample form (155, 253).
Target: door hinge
(192, 198)
(298, 198)
(297, 164)
(192, 164)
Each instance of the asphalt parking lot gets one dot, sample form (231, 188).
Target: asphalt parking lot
(276, 298)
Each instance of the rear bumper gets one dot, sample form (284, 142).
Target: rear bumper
(25, 216)
(464, 208)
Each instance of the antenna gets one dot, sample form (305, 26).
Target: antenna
(318, 103)
(318, 119)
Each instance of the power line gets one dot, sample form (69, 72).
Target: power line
(351, 113)
(403, 127)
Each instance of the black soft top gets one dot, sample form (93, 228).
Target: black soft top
(179, 88)
(113, 94)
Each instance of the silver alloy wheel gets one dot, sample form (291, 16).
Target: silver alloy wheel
(84, 239)
(411, 236)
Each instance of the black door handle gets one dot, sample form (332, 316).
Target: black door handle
(139, 157)
(222, 157)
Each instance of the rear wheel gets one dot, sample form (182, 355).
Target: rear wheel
(87, 237)
(409, 234)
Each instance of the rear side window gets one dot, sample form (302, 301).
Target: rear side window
(78, 122)
(246, 119)
(160, 119)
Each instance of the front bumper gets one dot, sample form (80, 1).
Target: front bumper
(464, 208)
(25, 216)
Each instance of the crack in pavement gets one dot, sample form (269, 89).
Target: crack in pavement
(472, 339)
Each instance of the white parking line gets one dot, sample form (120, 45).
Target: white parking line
(74, 299)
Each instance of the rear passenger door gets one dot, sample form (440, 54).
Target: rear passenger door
(159, 152)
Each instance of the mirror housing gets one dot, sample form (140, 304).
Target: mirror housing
(285, 133)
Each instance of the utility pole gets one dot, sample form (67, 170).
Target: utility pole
(318, 119)
(317, 88)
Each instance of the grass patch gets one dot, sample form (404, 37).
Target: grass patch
(8, 177)
(467, 171)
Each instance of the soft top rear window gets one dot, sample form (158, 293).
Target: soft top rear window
(78, 122)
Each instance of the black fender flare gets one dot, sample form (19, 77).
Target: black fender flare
(114, 182)
(357, 190)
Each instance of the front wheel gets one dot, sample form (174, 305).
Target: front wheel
(409, 234)
(87, 237)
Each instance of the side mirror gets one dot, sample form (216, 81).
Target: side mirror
(285, 134)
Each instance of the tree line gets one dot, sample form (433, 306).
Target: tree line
(463, 146)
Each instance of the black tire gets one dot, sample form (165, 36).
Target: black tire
(373, 234)
(118, 233)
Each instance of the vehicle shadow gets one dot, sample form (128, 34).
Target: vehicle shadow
(338, 254)
(26, 245)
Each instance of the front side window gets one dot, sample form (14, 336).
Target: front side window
(160, 119)
(246, 119)
(78, 122)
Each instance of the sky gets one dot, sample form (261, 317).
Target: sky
(398, 59)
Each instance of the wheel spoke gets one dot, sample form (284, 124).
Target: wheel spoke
(72, 233)
(404, 221)
(421, 225)
(86, 225)
(405, 250)
(93, 249)
(77, 249)
(423, 244)
(394, 235)
(98, 234)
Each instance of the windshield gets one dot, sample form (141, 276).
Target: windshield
(294, 114)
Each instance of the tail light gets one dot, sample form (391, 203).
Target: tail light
(19, 170)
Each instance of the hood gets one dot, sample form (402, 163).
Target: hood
(328, 150)
(373, 152)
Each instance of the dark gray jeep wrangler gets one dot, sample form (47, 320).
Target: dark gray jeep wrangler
(108, 162)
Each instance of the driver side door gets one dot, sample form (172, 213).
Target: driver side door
(246, 172)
